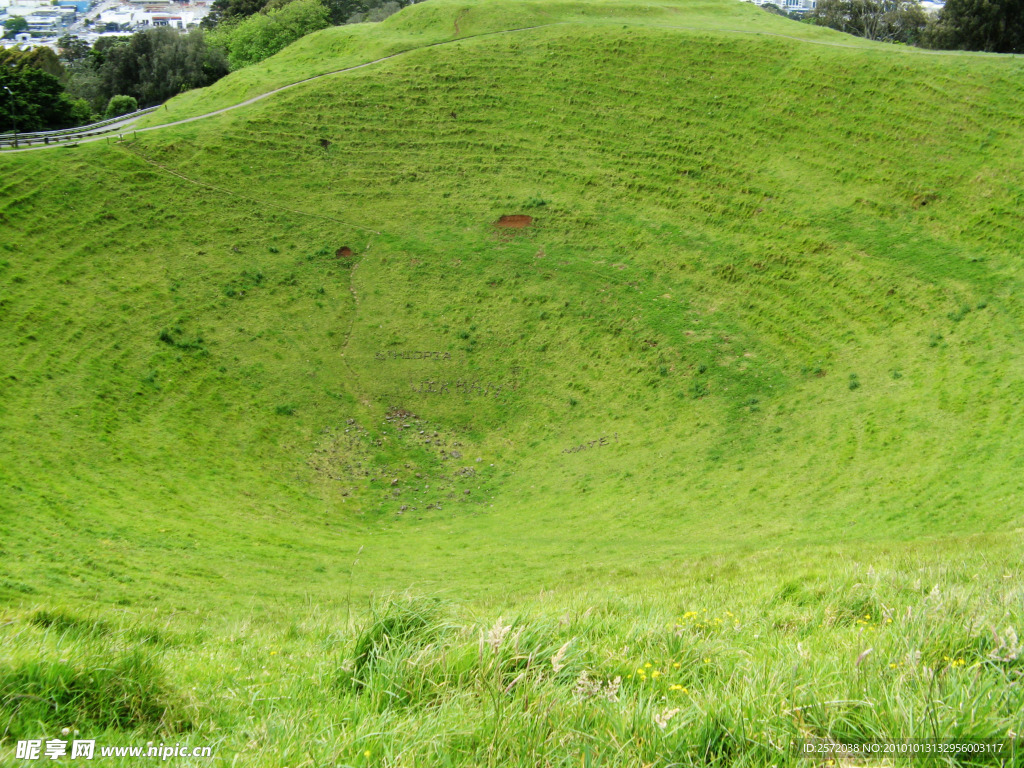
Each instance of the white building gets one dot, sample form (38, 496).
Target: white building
(136, 17)
(790, 6)
(42, 17)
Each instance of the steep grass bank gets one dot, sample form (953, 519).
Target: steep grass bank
(439, 23)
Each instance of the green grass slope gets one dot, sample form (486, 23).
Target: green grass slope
(441, 22)
(757, 352)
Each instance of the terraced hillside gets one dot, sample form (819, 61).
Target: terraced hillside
(653, 310)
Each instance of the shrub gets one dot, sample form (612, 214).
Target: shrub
(120, 105)
(262, 35)
(81, 112)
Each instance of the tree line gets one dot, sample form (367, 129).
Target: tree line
(249, 31)
(338, 11)
(41, 90)
(996, 26)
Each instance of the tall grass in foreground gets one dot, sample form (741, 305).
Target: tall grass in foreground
(695, 675)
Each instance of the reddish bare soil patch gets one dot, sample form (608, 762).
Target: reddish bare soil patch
(344, 252)
(515, 221)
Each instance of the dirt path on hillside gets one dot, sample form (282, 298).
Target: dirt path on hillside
(275, 91)
(127, 126)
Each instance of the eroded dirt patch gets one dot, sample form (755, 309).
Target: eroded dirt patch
(344, 252)
(515, 221)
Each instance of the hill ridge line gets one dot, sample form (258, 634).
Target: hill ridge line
(343, 70)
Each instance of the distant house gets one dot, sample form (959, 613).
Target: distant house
(790, 6)
(159, 20)
(127, 18)
(43, 22)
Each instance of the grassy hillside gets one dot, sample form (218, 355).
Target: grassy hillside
(753, 348)
(441, 22)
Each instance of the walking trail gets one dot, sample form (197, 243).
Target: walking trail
(86, 136)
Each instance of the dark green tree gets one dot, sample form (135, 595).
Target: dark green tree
(154, 65)
(979, 25)
(83, 80)
(72, 50)
(101, 47)
(226, 10)
(40, 57)
(891, 21)
(340, 11)
(33, 100)
(14, 25)
(377, 12)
